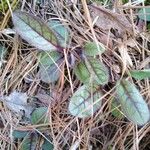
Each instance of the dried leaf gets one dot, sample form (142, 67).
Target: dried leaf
(92, 71)
(17, 102)
(39, 115)
(126, 60)
(85, 101)
(91, 49)
(46, 99)
(140, 74)
(35, 31)
(132, 103)
(108, 19)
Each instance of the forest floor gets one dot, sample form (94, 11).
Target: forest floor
(74, 75)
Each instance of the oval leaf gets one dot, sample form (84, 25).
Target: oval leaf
(35, 31)
(48, 67)
(82, 102)
(132, 103)
(144, 14)
(92, 71)
(91, 49)
(49, 58)
(20, 134)
(116, 109)
(47, 145)
(140, 74)
(29, 142)
(49, 74)
(39, 116)
(60, 31)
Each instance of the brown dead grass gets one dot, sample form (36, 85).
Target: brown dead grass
(102, 131)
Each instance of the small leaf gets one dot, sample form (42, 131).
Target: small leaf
(47, 145)
(85, 101)
(39, 116)
(47, 59)
(140, 74)
(60, 31)
(116, 109)
(29, 142)
(144, 13)
(17, 102)
(48, 67)
(91, 49)
(92, 71)
(20, 134)
(132, 103)
(49, 74)
(35, 31)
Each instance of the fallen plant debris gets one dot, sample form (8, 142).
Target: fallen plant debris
(17, 102)
(76, 65)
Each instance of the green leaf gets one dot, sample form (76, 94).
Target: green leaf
(47, 145)
(132, 103)
(35, 31)
(91, 49)
(48, 67)
(144, 13)
(140, 74)
(60, 31)
(92, 71)
(20, 134)
(49, 58)
(116, 109)
(29, 142)
(39, 116)
(85, 101)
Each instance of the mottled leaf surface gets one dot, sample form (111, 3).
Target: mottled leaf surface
(140, 74)
(92, 49)
(92, 71)
(34, 31)
(82, 102)
(132, 103)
